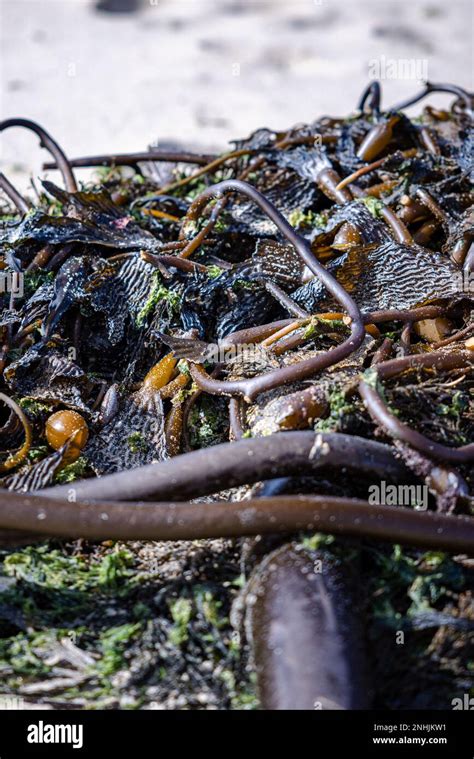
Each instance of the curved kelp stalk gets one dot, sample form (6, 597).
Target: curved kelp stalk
(377, 408)
(430, 88)
(10, 190)
(209, 470)
(50, 144)
(104, 520)
(14, 458)
(132, 159)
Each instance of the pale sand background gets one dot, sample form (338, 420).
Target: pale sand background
(203, 71)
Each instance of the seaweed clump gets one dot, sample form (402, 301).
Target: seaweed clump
(284, 314)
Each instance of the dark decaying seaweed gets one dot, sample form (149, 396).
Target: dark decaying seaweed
(321, 278)
(389, 276)
(96, 221)
(90, 325)
(114, 448)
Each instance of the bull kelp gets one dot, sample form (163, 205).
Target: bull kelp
(286, 327)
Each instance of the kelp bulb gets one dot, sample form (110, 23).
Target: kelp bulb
(64, 425)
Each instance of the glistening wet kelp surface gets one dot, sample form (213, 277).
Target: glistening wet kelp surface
(288, 328)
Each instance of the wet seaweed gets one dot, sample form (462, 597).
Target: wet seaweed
(318, 279)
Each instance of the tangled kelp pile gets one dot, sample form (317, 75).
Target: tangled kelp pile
(307, 296)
